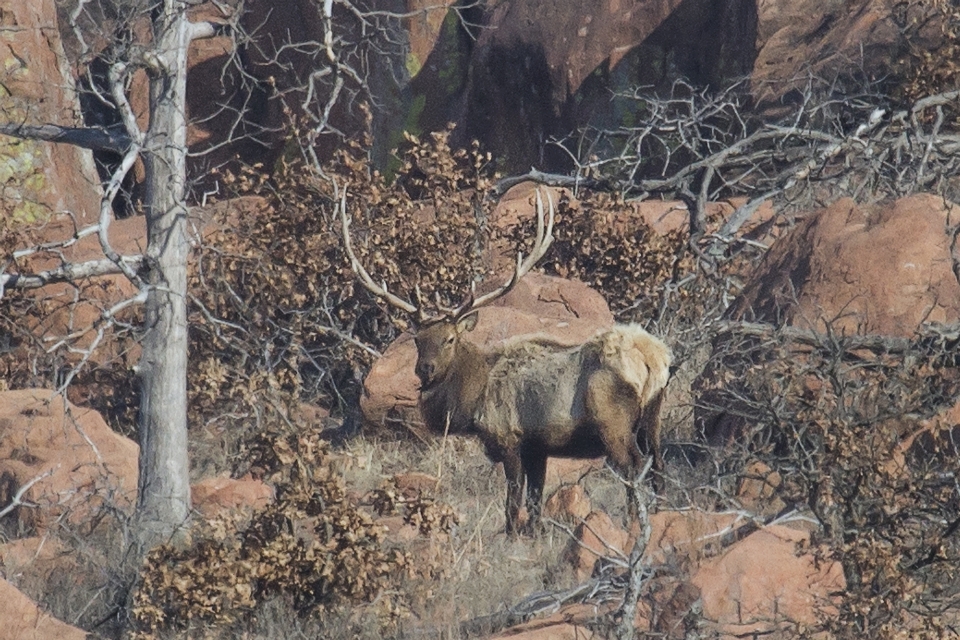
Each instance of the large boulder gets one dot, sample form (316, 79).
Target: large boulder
(59, 310)
(71, 309)
(24, 620)
(690, 534)
(847, 269)
(762, 585)
(75, 465)
(881, 269)
(759, 584)
(566, 310)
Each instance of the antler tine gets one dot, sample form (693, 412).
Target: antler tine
(542, 242)
(378, 290)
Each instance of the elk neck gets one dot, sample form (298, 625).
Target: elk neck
(457, 393)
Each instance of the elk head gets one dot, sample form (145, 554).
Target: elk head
(437, 347)
(438, 337)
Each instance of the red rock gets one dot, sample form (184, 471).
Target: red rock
(686, 533)
(758, 488)
(66, 308)
(595, 538)
(40, 178)
(761, 584)
(797, 40)
(24, 620)
(882, 269)
(424, 23)
(879, 270)
(84, 465)
(569, 503)
(533, 57)
(212, 496)
(37, 557)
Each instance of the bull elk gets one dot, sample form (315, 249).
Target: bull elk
(531, 398)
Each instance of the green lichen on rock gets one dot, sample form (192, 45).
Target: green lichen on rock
(23, 180)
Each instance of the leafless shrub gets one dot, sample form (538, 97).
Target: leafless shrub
(841, 419)
(830, 140)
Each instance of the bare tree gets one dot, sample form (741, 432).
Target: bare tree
(160, 273)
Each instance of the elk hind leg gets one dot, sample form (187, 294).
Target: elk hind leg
(648, 439)
(614, 412)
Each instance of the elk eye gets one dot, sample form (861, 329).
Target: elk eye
(451, 339)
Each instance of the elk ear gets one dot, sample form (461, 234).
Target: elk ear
(468, 322)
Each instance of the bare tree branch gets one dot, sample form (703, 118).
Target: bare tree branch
(113, 139)
(18, 497)
(699, 146)
(68, 272)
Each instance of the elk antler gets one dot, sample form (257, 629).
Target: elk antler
(378, 290)
(542, 242)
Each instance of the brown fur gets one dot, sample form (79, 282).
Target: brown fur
(534, 398)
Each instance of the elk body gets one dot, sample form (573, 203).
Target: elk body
(533, 398)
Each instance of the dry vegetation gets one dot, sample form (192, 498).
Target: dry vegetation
(319, 557)
(844, 423)
(277, 319)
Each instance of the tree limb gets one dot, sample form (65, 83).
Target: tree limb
(113, 138)
(550, 179)
(67, 272)
(18, 497)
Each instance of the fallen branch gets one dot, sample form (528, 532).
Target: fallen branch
(944, 335)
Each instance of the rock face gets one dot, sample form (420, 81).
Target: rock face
(78, 464)
(565, 310)
(797, 40)
(40, 178)
(511, 74)
(543, 69)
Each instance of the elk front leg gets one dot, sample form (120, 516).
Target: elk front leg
(513, 469)
(535, 468)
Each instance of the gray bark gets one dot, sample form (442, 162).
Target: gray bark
(163, 504)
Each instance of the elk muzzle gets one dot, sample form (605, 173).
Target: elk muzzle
(425, 370)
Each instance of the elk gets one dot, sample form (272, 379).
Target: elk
(533, 397)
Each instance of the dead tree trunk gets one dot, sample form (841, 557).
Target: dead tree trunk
(164, 487)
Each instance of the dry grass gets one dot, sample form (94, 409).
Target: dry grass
(484, 570)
